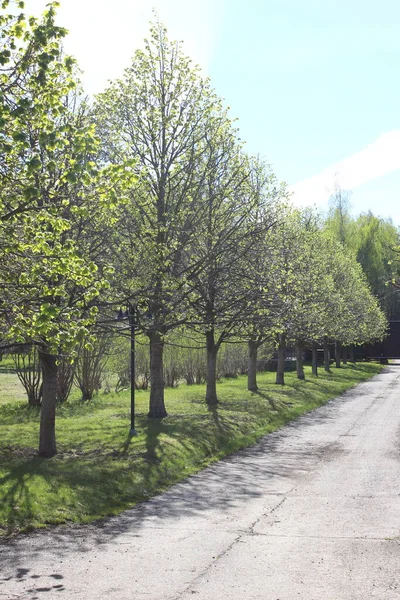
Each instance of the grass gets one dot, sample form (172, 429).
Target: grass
(99, 471)
(11, 388)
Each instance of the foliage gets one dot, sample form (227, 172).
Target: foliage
(372, 241)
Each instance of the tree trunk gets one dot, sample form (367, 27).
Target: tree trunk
(157, 405)
(280, 369)
(47, 436)
(345, 355)
(351, 352)
(299, 361)
(337, 354)
(252, 370)
(314, 360)
(212, 351)
(327, 357)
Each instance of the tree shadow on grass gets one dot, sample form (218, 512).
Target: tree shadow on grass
(17, 492)
(220, 433)
(271, 401)
(219, 423)
(96, 486)
(155, 428)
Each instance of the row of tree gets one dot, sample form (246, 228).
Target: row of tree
(148, 197)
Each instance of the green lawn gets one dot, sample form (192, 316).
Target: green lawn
(99, 471)
(10, 386)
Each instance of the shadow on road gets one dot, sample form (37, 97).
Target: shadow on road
(27, 575)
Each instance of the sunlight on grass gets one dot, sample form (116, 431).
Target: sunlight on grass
(100, 471)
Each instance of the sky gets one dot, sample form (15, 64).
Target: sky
(314, 84)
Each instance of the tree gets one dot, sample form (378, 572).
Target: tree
(239, 209)
(295, 279)
(376, 240)
(354, 315)
(34, 79)
(339, 222)
(258, 271)
(216, 294)
(50, 187)
(157, 113)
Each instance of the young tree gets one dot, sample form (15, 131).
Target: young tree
(91, 364)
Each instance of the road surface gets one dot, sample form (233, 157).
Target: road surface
(312, 512)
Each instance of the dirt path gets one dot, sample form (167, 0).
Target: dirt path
(310, 513)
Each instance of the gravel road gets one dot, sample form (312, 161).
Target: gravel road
(312, 512)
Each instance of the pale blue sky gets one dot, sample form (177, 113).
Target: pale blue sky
(313, 82)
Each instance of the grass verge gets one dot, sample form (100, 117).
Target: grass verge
(99, 471)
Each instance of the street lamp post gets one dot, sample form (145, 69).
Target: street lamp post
(131, 315)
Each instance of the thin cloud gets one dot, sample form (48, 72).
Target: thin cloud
(375, 160)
